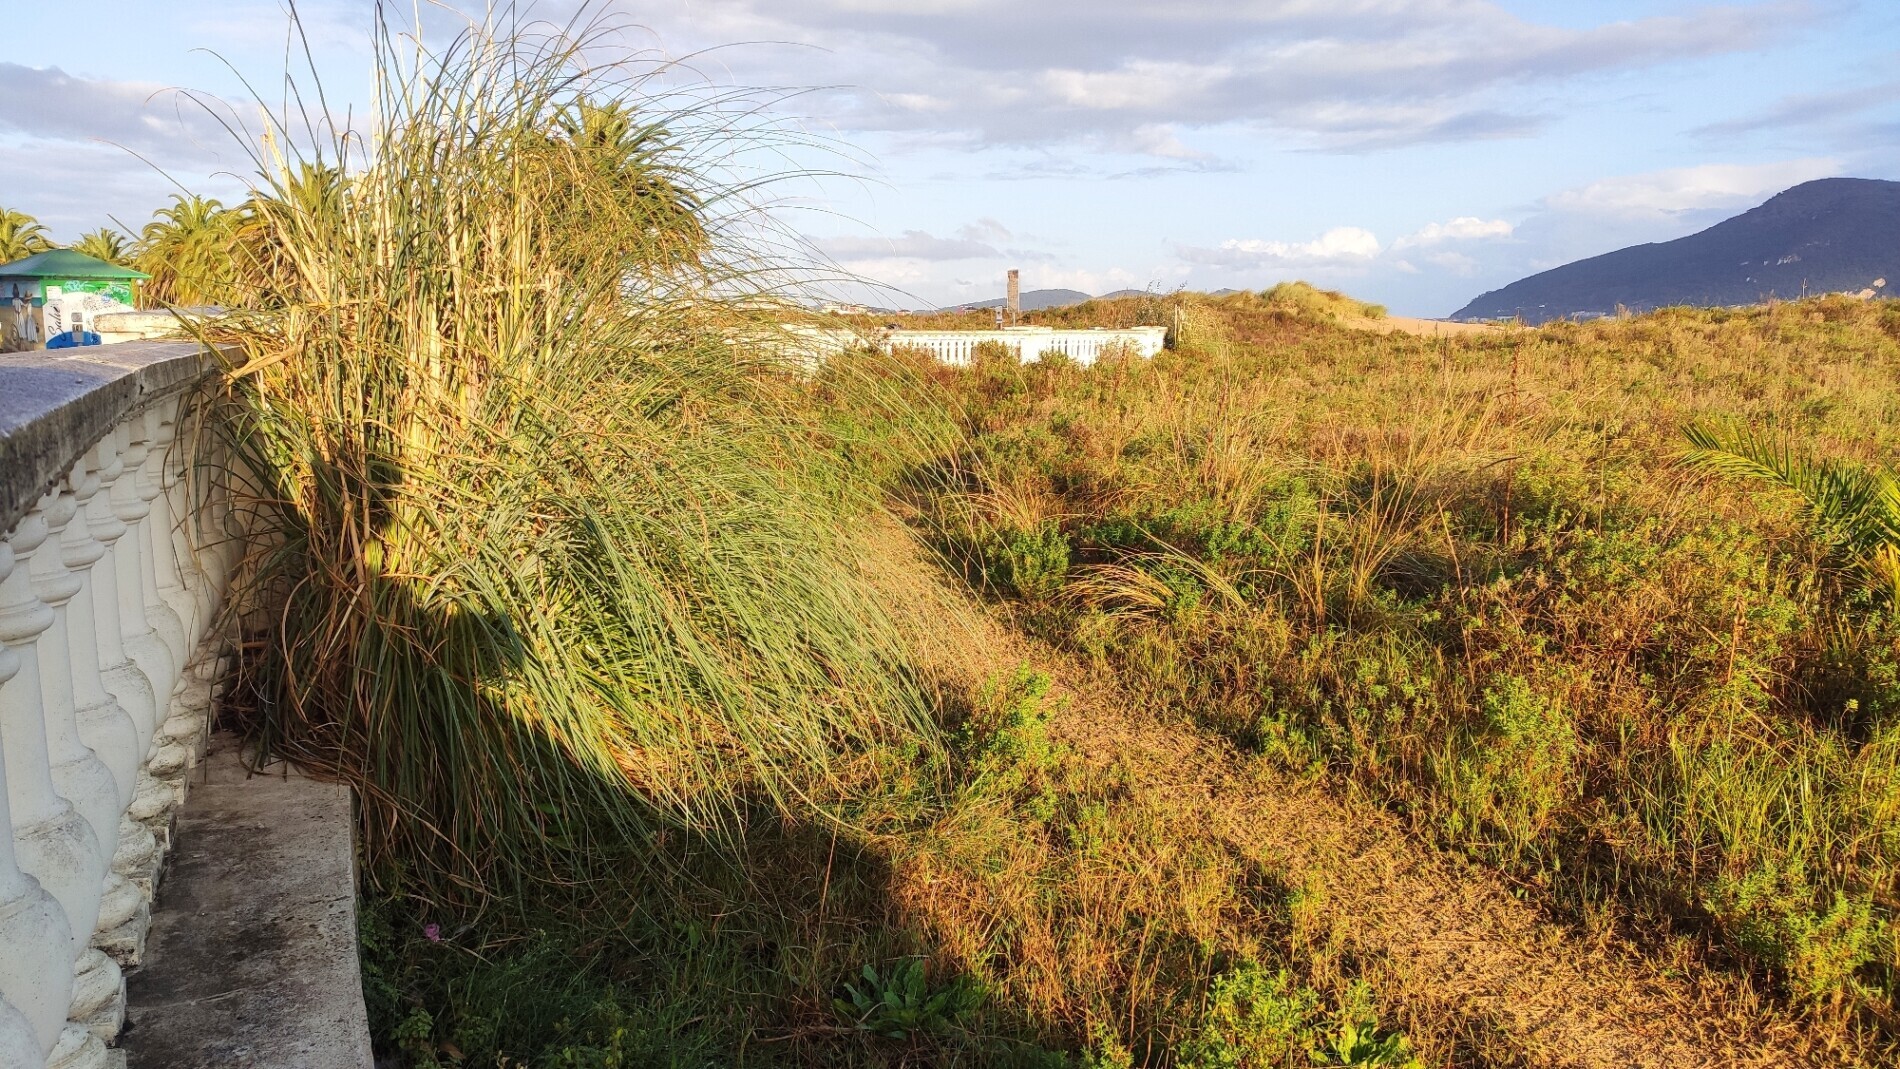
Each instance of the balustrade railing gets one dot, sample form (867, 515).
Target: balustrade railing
(111, 573)
(1031, 343)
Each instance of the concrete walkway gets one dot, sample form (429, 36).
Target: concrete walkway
(252, 958)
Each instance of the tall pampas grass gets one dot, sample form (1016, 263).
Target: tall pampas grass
(541, 546)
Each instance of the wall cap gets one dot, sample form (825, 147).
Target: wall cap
(55, 404)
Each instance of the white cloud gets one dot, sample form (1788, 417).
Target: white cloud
(985, 229)
(1457, 263)
(1810, 111)
(1355, 250)
(912, 245)
(1137, 86)
(1340, 246)
(47, 102)
(1662, 194)
(1463, 228)
(1161, 141)
(1348, 75)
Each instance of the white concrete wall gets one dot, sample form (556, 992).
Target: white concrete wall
(107, 594)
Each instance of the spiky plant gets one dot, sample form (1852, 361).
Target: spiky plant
(21, 236)
(544, 556)
(105, 244)
(1853, 509)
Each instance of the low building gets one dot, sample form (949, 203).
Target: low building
(58, 292)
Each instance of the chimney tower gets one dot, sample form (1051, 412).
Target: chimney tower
(1015, 296)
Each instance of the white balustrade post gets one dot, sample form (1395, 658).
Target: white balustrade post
(124, 681)
(18, 1043)
(139, 642)
(201, 504)
(119, 717)
(228, 547)
(104, 725)
(176, 582)
(158, 568)
(79, 1049)
(33, 927)
(174, 587)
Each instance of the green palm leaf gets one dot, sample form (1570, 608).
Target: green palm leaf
(1849, 507)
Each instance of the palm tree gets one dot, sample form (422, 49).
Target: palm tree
(1851, 508)
(105, 244)
(638, 161)
(21, 236)
(186, 248)
(258, 264)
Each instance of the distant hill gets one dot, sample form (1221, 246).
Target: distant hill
(1828, 236)
(1032, 300)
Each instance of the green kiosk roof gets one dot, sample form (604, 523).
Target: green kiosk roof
(65, 263)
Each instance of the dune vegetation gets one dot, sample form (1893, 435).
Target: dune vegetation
(1303, 696)
(1606, 607)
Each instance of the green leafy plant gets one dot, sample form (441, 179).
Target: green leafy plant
(508, 417)
(901, 1001)
(1513, 770)
(1360, 1043)
(21, 236)
(187, 248)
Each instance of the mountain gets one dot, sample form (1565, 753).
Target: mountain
(1828, 236)
(1032, 300)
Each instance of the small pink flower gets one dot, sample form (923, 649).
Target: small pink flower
(432, 932)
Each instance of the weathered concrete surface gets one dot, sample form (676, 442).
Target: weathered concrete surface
(252, 958)
(57, 403)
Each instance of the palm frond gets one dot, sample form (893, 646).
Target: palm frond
(1849, 507)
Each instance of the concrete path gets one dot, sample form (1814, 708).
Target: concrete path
(252, 959)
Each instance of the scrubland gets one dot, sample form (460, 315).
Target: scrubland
(1302, 696)
(1473, 579)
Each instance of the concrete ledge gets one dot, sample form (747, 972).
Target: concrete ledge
(57, 403)
(252, 958)
(150, 325)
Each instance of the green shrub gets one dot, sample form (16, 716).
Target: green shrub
(1025, 563)
(1253, 1019)
(1778, 917)
(1516, 768)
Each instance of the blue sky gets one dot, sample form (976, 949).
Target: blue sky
(1414, 152)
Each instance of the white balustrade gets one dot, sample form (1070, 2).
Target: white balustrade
(1029, 343)
(108, 591)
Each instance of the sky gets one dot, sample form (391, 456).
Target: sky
(1411, 152)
